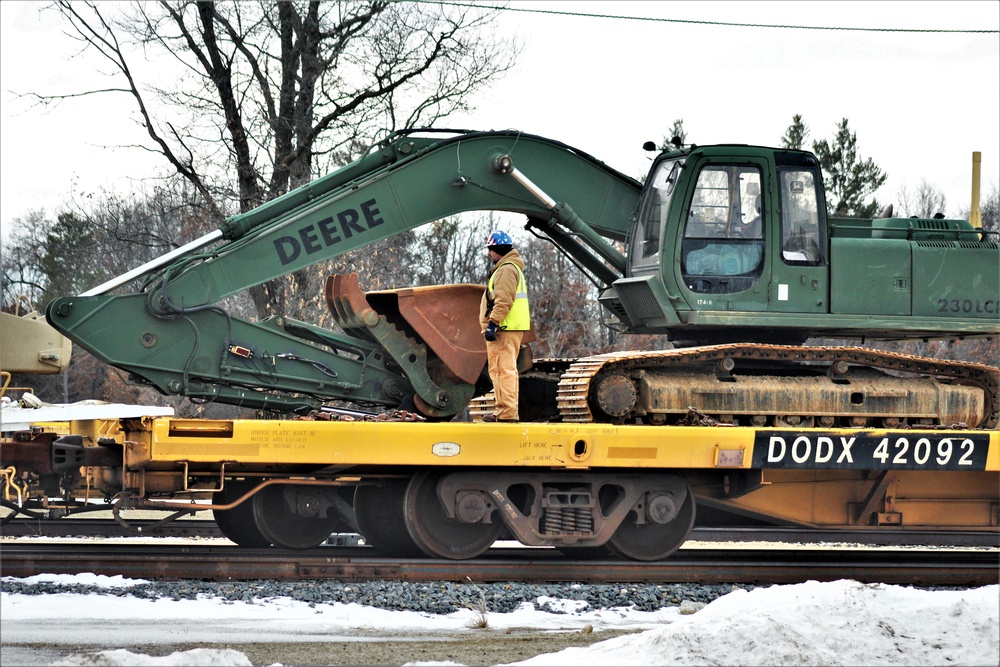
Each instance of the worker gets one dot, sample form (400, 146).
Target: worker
(504, 317)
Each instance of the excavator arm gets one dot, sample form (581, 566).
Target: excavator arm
(172, 334)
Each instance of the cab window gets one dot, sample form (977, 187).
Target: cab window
(801, 232)
(723, 246)
(648, 231)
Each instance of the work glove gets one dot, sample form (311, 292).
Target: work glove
(491, 332)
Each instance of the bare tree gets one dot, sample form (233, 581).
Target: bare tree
(93, 240)
(22, 280)
(564, 308)
(453, 250)
(274, 91)
(989, 211)
(924, 203)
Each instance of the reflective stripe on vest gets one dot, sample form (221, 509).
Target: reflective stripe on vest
(519, 316)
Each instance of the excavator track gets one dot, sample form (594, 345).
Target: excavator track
(608, 387)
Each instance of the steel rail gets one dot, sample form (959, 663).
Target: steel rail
(208, 528)
(530, 565)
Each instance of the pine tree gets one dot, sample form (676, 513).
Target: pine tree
(848, 179)
(676, 131)
(795, 135)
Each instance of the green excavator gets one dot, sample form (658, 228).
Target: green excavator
(727, 249)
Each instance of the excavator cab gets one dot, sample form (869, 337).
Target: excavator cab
(729, 230)
(733, 242)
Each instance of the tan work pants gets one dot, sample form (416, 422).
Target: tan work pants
(501, 358)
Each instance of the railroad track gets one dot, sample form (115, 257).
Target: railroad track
(207, 528)
(935, 567)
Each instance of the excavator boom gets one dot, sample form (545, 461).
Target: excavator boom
(172, 335)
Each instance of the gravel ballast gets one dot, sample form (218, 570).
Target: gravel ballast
(485, 646)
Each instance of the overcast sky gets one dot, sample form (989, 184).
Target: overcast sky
(920, 102)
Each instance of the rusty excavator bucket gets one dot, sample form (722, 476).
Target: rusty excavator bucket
(409, 321)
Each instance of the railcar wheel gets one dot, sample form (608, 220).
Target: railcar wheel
(438, 535)
(669, 517)
(379, 512)
(238, 523)
(290, 516)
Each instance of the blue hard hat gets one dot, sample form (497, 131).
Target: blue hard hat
(499, 237)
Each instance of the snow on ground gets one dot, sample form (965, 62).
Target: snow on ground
(835, 623)
(829, 623)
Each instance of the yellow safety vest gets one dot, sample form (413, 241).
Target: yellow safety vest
(519, 316)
